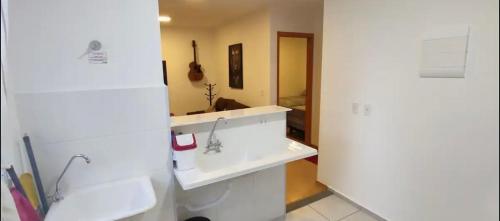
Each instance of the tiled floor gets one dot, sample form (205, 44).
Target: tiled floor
(301, 181)
(331, 208)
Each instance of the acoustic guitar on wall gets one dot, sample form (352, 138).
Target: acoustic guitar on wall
(195, 72)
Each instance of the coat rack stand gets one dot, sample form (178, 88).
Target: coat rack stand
(210, 94)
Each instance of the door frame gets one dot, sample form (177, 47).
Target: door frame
(309, 77)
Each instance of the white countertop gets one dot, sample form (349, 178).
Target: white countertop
(196, 178)
(177, 121)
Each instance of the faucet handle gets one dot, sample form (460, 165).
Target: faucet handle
(56, 197)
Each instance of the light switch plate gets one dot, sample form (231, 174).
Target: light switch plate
(367, 109)
(355, 108)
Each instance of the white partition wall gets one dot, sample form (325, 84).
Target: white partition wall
(428, 148)
(115, 112)
(10, 126)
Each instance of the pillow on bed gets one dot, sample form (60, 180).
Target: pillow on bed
(292, 101)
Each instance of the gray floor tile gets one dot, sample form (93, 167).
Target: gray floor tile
(305, 213)
(359, 216)
(334, 208)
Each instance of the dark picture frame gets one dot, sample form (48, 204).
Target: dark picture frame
(235, 55)
(164, 66)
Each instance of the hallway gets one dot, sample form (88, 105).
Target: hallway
(301, 181)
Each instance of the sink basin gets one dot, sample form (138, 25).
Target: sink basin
(104, 202)
(240, 161)
(253, 139)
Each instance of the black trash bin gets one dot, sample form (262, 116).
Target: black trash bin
(198, 218)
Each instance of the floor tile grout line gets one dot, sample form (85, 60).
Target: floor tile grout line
(345, 217)
(357, 205)
(321, 214)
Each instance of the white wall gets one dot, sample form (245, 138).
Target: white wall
(293, 66)
(253, 31)
(429, 149)
(49, 57)
(117, 113)
(304, 16)
(258, 33)
(187, 96)
(11, 154)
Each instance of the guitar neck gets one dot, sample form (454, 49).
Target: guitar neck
(194, 52)
(194, 55)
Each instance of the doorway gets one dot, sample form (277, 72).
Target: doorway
(294, 77)
(294, 91)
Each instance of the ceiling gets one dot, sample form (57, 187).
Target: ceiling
(207, 13)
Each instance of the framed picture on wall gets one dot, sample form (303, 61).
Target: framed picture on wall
(164, 65)
(236, 66)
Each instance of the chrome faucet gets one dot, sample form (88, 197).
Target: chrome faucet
(58, 195)
(214, 144)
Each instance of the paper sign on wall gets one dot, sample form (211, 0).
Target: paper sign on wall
(98, 57)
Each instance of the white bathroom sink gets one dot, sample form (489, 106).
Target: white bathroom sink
(253, 139)
(105, 202)
(226, 165)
